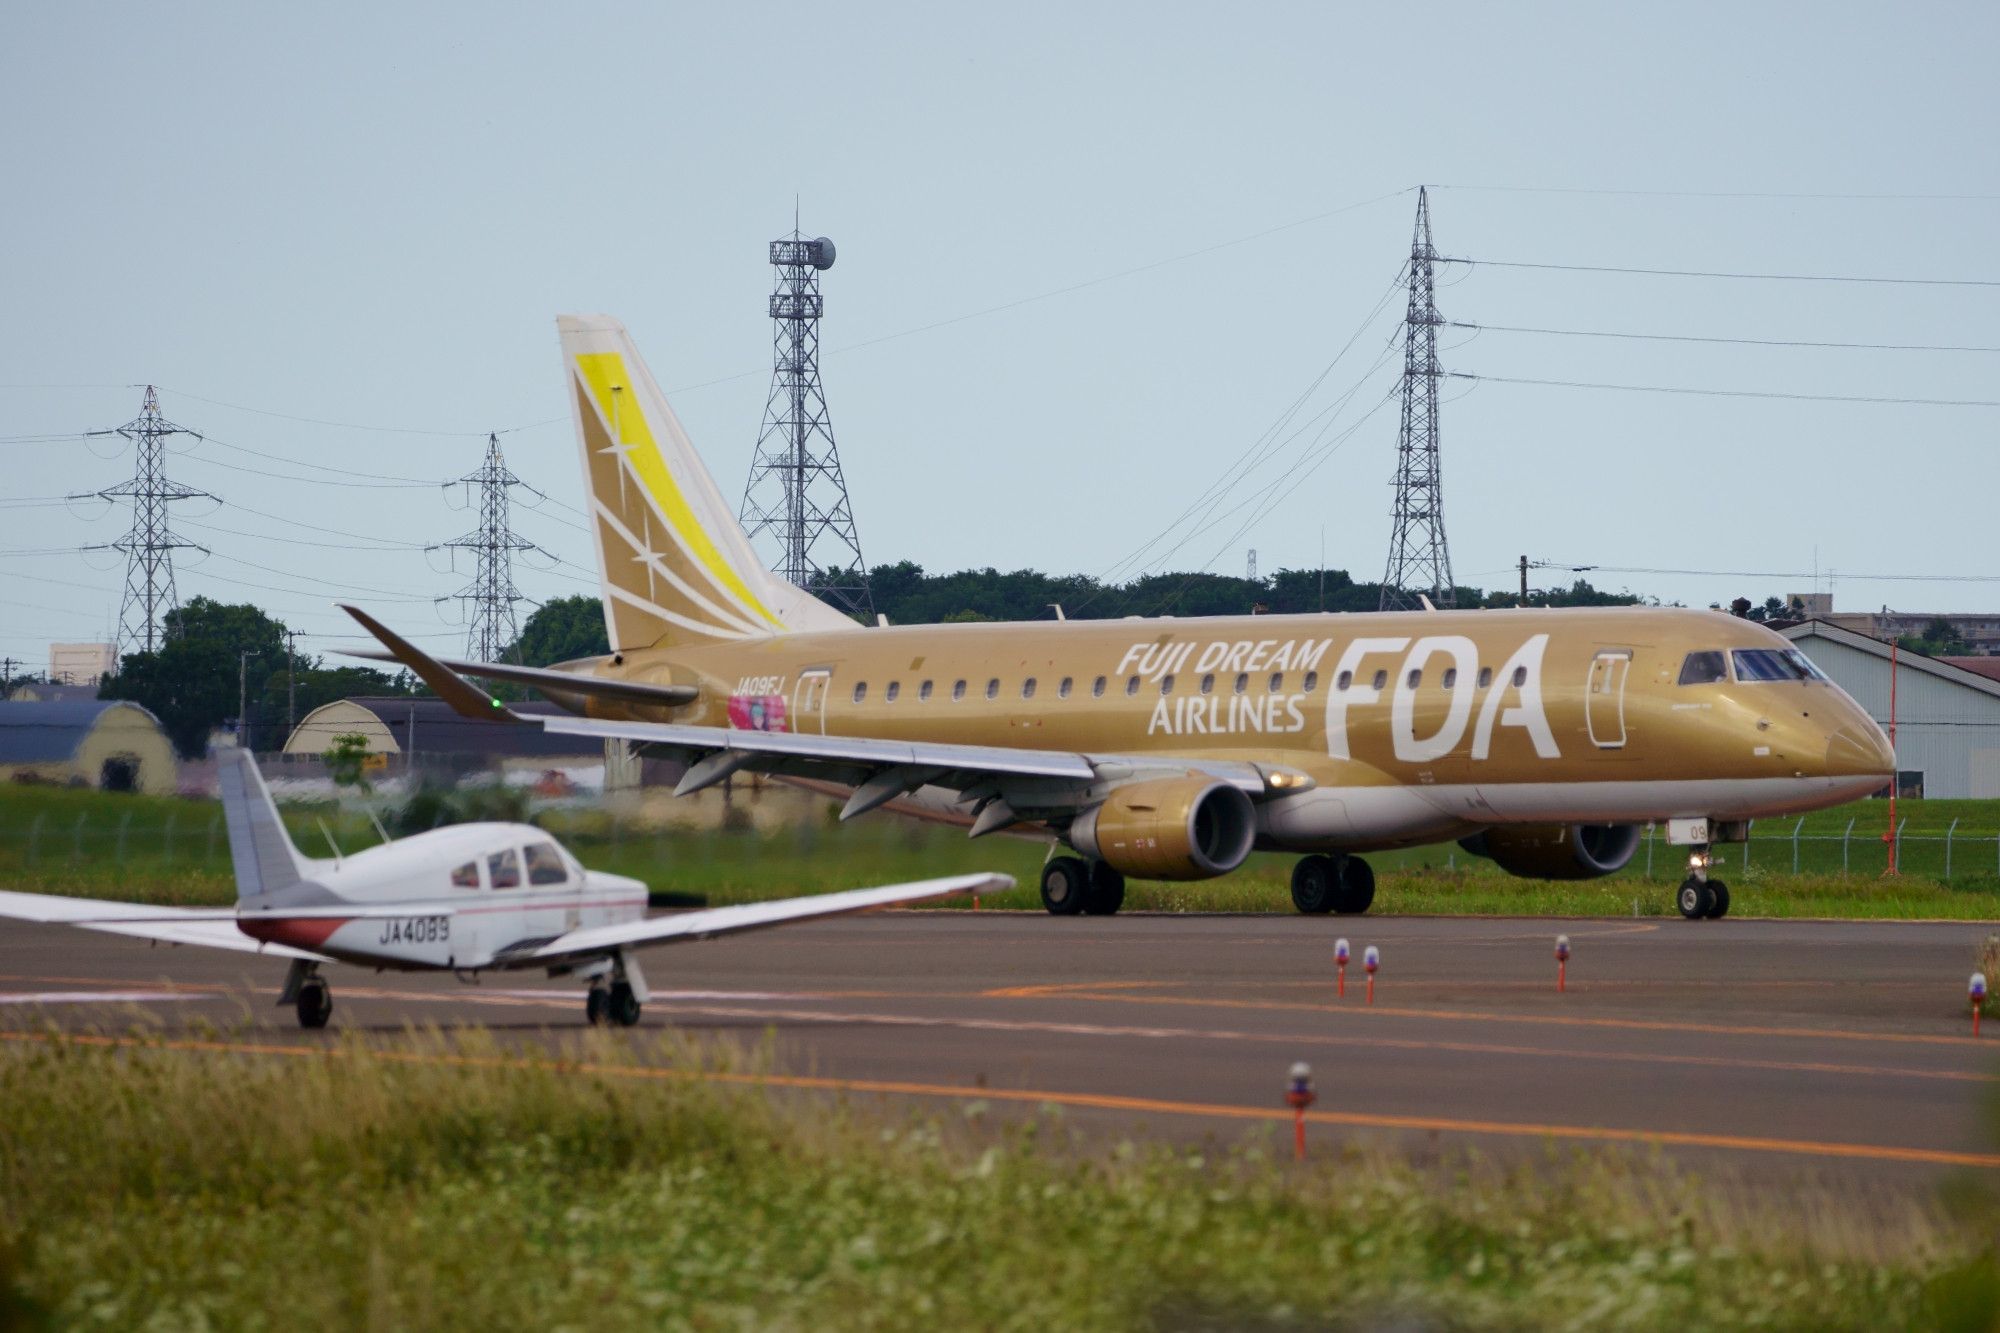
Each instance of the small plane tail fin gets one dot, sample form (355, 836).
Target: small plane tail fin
(674, 564)
(262, 851)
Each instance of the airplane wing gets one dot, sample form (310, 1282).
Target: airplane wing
(997, 787)
(167, 925)
(716, 921)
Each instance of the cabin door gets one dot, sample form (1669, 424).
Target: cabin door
(809, 701)
(1604, 703)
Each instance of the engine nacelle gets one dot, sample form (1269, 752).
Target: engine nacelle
(1556, 851)
(1169, 828)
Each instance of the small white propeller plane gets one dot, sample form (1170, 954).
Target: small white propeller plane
(467, 898)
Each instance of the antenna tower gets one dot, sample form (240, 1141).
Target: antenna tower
(796, 491)
(150, 544)
(491, 626)
(1250, 572)
(1418, 559)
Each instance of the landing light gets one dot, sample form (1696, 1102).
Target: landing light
(1286, 781)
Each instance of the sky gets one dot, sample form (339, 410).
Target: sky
(1089, 255)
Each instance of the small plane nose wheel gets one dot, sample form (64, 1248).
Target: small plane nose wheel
(315, 1004)
(624, 1005)
(596, 1004)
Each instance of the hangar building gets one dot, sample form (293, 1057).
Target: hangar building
(1947, 718)
(437, 735)
(112, 744)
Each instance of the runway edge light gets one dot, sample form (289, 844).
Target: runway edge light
(1562, 962)
(1371, 962)
(1299, 1095)
(1340, 956)
(1976, 992)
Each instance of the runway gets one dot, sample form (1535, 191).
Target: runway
(1839, 1047)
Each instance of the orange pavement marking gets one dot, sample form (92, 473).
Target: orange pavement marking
(1091, 1101)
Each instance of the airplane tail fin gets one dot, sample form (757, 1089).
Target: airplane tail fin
(675, 565)
(262, 851)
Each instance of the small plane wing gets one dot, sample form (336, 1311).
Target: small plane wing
(168, 925)
(715, 921)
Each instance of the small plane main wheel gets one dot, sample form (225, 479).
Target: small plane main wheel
(1356, 890)
(623, 1005)
(315, 1004)
(1065, 885)
(1719, 908)
(1695, 899)
(1106, 893)
(1315, 883)
(595, 1004)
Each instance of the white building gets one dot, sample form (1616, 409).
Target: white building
(81, 663)
(1947, 718)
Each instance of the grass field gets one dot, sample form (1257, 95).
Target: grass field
(175, 851)
(441, 1183)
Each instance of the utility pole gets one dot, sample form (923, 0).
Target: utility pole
(150, 544)
(7, 665)
(491, 626)
(1418, 558)
(291, 686)
(797, 492)
(243, 697)
(1250, 572)
(1524, 580)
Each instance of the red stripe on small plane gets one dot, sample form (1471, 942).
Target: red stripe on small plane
(299, 932)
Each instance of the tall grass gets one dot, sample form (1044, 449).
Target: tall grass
(441, 1182)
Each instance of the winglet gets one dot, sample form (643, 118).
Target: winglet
(467, 699)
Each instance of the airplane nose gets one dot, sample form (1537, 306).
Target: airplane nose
(1854, 752)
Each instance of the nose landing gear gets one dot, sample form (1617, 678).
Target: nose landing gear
(1701, 897)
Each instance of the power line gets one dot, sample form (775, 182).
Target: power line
(1824, 574)
(1708, 273)
(1725, 194)
(1733, 342)
(1728, 393)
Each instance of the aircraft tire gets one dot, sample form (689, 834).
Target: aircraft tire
(1695, 899)
(1355, 892)
(1315, 884)
(595, 1004)
(623, 1005)
(315, 1005)
(1106, 893)
(1720, 893)
(1065, 885)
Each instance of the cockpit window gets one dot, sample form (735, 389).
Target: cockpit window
(466, 876)
(1773, 664)
(545, 864)
(1704, 669)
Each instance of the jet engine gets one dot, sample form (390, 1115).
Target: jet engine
(1169, 828)
(1556, 851)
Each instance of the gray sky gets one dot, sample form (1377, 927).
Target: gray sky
(372, 214)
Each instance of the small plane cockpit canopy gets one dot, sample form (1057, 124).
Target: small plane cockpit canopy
(545, 864)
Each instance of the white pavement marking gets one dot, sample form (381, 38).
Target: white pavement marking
(97, 996)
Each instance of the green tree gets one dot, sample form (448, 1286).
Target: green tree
(344, 758)
(1939, 639)
(560, 630)
(190, 683)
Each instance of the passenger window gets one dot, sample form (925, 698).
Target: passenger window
(1450, 677)
(1208, 683)
(1166, 684)
(1312, 681)
(466, 876)
(1414, 679)
(860, 690)
(1097, 688)
(1343, 680)
(1381, 679)
(895, 688)
(1242, 683)
(503, 870)
(545, 864)
(1704, 669)
(957, 690)
(1132, 686)
(1277, 681)
(1485, 677)
(924, 693)
(1062, 690)
(1520, 677)
(1028, 688)
(993, 688)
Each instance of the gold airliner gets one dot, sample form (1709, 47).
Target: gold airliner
(1171, 748)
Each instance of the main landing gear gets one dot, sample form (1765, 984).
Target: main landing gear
(1701, 897)
(315, 1003)
(615, 1003)
(1071, 885)
(1337, 883)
